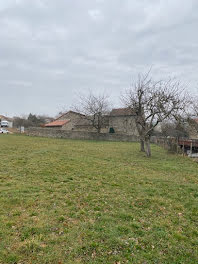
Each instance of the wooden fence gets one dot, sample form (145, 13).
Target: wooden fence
(178, 145)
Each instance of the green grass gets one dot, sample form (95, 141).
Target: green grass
(64, 201)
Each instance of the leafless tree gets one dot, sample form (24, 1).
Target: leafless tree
(175, 128)
(152, 102)
(193, 115)
(94, 108)
(195, 109)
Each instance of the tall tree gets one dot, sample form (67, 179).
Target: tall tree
(153, 102)
(36, 120)
(175, 128)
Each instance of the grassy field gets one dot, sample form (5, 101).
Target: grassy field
(64, 201)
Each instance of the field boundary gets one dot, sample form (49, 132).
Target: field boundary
(59, 133)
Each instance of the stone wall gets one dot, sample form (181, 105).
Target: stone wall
(123, 125)
(59, 133)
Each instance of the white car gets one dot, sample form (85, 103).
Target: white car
(4, 131)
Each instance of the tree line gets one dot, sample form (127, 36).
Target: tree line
(31, 120)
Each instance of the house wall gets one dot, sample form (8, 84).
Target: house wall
(86, 125)
(74, 119)
(123, 125)
(10, 124)
(79, 123)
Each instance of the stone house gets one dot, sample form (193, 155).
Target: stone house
(66, 121)
(119, 121)
(122, 121)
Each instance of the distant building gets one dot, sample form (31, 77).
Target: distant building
(120, 121)
(66, 121)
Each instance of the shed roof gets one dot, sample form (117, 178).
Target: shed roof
(57, 123)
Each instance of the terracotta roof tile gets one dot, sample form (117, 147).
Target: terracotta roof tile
(57, 123)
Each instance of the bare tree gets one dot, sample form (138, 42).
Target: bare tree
(193, 115)
(195, 109)
(152, 102)
(175, 128)
(94, 108)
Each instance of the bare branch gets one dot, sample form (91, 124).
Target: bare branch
(94, 108)
(154, 102)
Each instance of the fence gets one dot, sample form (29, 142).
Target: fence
(179, 145)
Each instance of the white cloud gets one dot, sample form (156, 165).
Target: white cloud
(95, 14)
(168, 13)
(4, 4)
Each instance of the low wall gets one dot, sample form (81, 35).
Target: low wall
(58, 133)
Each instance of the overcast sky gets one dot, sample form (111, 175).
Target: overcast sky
(52, 50)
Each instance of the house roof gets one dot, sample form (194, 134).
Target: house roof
(57, 123)
(121, 112)
(68, 113)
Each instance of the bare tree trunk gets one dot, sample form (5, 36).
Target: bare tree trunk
(142, 149)
(148, 147)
